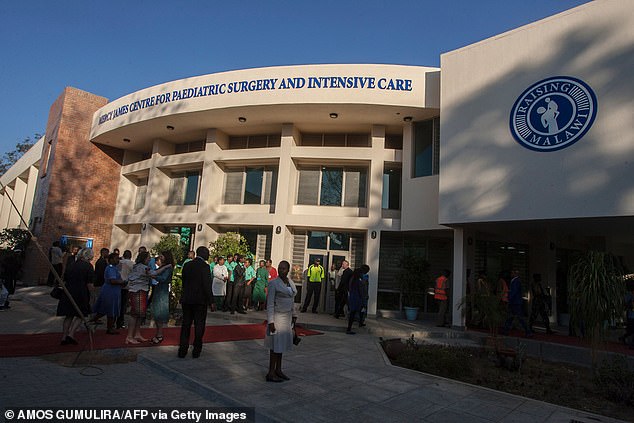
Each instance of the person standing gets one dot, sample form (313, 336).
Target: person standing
(239, 283)
(160, 304)
(219, 285)
(515, 305)
(261, 286)
(355, 296)
(55, 256)
(79, 279)
(341, 292)
(271, 269)
(230, 264)
(109, 302)
(125, 268)
(441, 295)
(281, 318)
(249, 281)
(315, 276)
(138, 287)
(539, 305)
(195, 299)
(100, 268)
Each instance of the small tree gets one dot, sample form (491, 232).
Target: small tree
(228, 244)
(413, 278)
(168, 243)
(595, 291)
(9, 158)
(14, 238)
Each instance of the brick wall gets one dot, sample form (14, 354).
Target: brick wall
(78, 194)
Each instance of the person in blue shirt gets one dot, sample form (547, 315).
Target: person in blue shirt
(109, 301)
(515, 305)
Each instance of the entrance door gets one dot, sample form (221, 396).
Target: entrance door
(323, 260)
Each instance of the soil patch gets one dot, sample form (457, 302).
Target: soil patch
(555, 383)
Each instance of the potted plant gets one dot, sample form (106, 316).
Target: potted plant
(413, 281)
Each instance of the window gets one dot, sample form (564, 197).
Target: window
(184, 188)
(189, 147)
(251, 185)
(255, 141)
(332, 186)
(391, 189)
(394, 141)
(339, 241)
(141, 192)
(335, 140)
(426, 147)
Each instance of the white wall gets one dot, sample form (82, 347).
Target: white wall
(485, 175)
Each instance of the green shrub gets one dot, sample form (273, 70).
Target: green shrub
(169, 243)
(614, 380)
(439, 360)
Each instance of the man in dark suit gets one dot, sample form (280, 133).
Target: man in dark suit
(195, 299)
(341, 292)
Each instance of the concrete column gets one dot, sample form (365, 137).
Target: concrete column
(459, 277)
(5, 212)
(212, 183)
(375, 197)
(281, 243)
(27, 208)
(19, 194)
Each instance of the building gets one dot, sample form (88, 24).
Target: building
(515, 153)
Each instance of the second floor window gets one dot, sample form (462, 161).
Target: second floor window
(332, 186)
(250, 185)
(141, 191)
(184, 188)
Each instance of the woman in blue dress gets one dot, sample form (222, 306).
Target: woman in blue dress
(109, 301)
(160, 302)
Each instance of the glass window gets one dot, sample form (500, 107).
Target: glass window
(391, 189)
(339, 241)
(184, 189)
(141, 192)
(318, 240)
(253, 186)
(233, 187)
(355, 187)
(308, 190)
(331, 186)
(192, 180)
(423, 148)
(394, 141)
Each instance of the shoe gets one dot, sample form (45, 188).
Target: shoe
(64, 341)
(361, 325)
(282, 376)
(196, 353)
(349, 332)
(157, 340)
(131, 341)
(273, 379)
(182, 352)
(70, 340)
(302, 310)
(315, 312)
(112, 332)
(242, 312)
(121, 326)
(233, 312)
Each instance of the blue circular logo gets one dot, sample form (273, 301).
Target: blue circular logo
(553, 113)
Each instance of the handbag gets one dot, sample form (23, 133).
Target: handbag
(57, 293)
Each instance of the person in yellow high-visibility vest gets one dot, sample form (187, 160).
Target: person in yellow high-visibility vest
(315, 276)
(441, 294)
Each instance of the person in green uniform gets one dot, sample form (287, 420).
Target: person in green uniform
(261, 286)
(249, 281)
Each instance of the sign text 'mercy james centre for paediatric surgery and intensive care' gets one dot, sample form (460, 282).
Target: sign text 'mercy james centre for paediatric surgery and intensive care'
(267, 84)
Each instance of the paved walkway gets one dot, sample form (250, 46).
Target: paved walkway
(335, 377)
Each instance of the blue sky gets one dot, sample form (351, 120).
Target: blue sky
(113, 48)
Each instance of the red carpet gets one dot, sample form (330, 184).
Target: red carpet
(21, 345)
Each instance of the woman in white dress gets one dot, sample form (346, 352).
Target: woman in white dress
(281, 316)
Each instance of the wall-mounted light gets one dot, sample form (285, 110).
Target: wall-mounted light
(126, 140)
(407, 119)
(199, 227)
(170, 127)
(373, 234)
(334, 116)
(278, 230)
(242, 119)
(143, 226)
